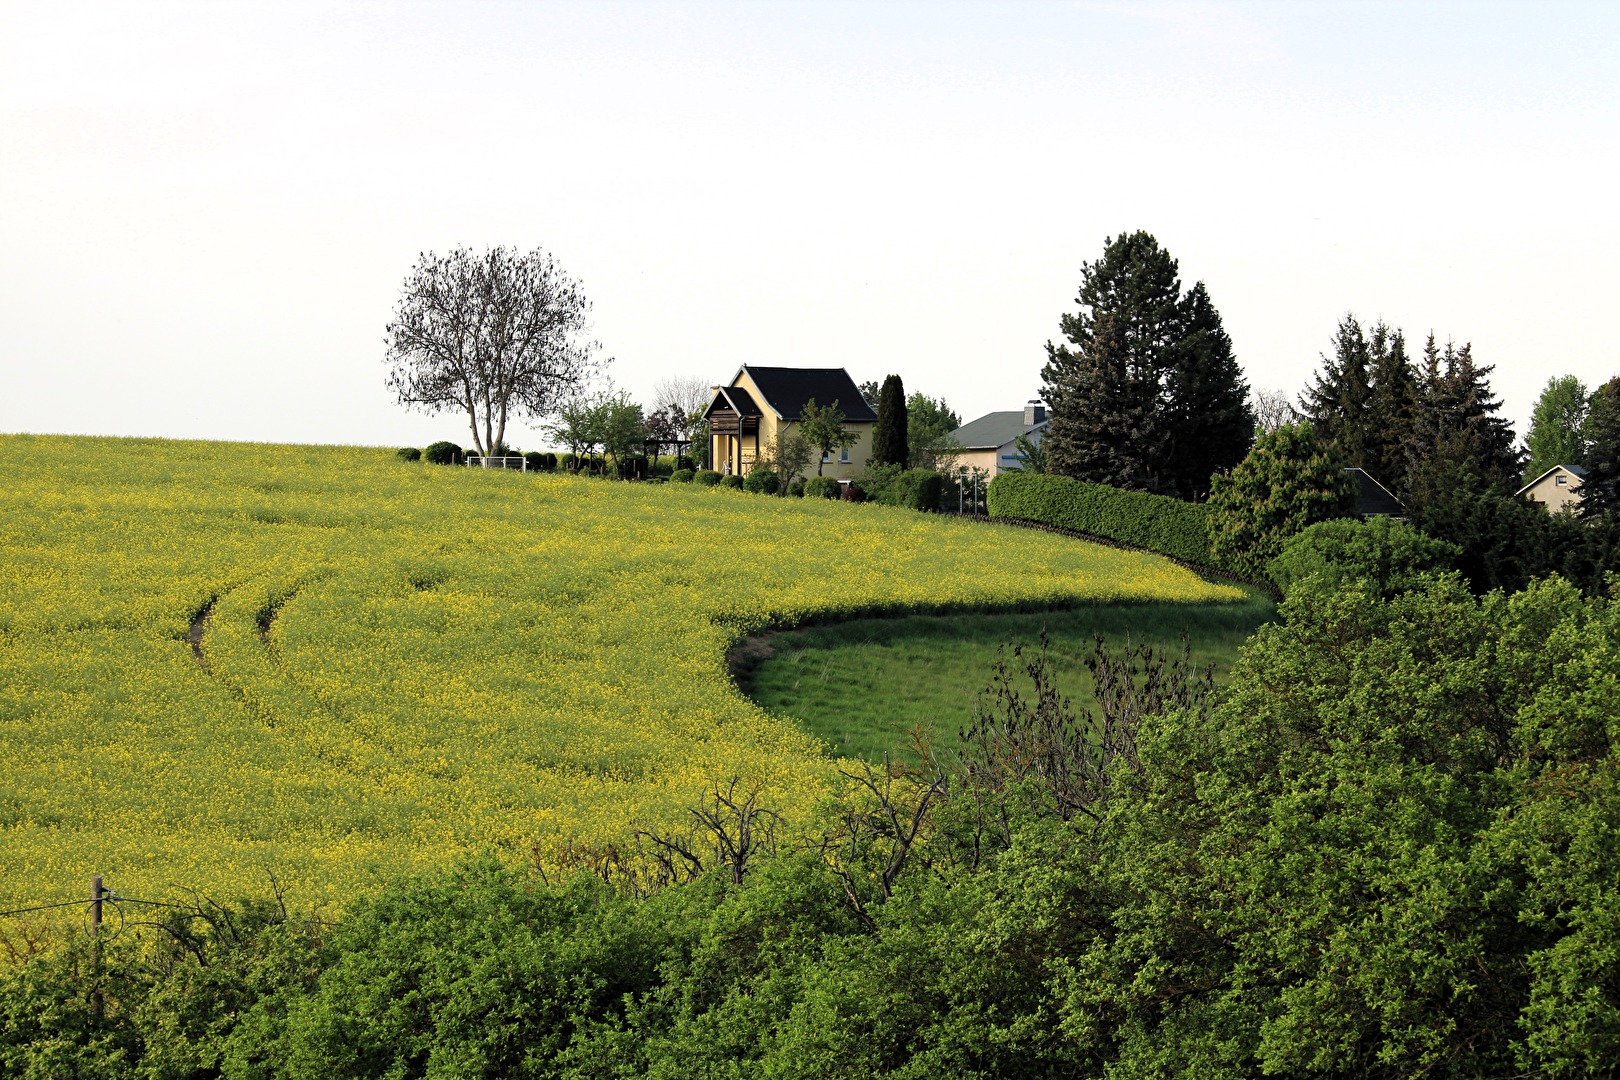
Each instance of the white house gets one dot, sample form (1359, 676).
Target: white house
(1558, 488)
(990, 442)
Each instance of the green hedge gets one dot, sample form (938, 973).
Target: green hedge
(1156, 522)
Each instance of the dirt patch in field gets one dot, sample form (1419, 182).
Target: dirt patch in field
(749, 653)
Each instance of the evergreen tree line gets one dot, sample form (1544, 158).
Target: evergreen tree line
(1384, 849)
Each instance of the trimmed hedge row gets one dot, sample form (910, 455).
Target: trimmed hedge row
(1155, 522)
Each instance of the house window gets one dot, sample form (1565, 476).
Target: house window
(826, 458)
(843, 455)
(1561, 481)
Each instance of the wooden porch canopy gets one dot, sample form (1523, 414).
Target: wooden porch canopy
(733, 412)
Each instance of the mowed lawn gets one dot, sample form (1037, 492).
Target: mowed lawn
(399, 665)
(863, 687)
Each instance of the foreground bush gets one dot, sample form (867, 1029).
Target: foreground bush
(762, 481)
(1388, 849)
(681, 476)
(1155, 522)
(822, 487)
(706, 478)
(1390, 556)
(895, 485)
(408, 453)
(731, 480)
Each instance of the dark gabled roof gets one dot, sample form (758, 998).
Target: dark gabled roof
(786, 389)
(734, 398)
(1372, 498)
(994, 429)
(1576, 470)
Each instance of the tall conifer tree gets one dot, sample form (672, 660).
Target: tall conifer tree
(1600, 491)
(1455, 429)
(1339, 403)
(1393, 404)
(1105, 391)
(1207, 400)
(1145, 394)
(889, 443)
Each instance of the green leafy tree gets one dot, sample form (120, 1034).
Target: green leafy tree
(1031, 455)
(890, 445)
(929, 423)
(1206, 401)
(623, 430)
(1557, 435)
(788, 455)
(1289, 481)
(1600, 491)
(823, 428)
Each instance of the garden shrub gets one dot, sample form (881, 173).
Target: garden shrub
(1155, 522)
(762, 482)
(706, 478)
(1290, 480)
(919, 489)
(408, 453)
(682, 476)
(1389, 556)
(731, 480)
(853, 492)
(444, 453)
(535, 461)
(569, 462)
(877, 478)
(822, 487)
(796, 488)
(684, 462)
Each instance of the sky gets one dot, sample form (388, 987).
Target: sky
(207, 210)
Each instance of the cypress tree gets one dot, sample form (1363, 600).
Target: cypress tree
(890, 445)
(1207, 408)
(1600, 491)
(1339, 403)
(1105, 387)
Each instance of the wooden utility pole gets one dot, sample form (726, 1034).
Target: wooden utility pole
(95, 942)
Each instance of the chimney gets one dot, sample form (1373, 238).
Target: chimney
(1034, 413)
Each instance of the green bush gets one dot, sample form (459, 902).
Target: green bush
(919, 489)
(682, 476)
(443, 453)
(1290, 480)
(1155, 522)
(821, 487)
(408, 453)
(1390, 557)
(706, 478)
(762, 482)
(796, 488)
(731, 480)
(684, 462)
(535, 461)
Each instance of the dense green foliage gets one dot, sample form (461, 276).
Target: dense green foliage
(1155, 522)
(1387, 849)
(894, 485)
(443, 453)
(929, 423)
(1389, 556)
(822, 427)
(682, 476)
(1364, 399)
(1507, 543)
(1556, 436)
(1600, 491)
(762, 481)
(821, 487)
(890, 440)
(731, 480)
(1146, 394)
(1289, 481)
(408, 453)
(706, 478)
(1455, 426)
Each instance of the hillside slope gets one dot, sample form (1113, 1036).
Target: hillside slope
(392, 665)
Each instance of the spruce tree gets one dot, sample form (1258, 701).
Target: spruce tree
(1339, 403)
(1394, 401)
(1556, 427)
(1207, 401)
(1600, 490)
(1454, 426)
(1106, 387)
(889, 443)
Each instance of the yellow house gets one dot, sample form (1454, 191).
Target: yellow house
(1559, 488)
(746, 416)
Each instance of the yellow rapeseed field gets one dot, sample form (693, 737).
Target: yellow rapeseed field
(403, 664)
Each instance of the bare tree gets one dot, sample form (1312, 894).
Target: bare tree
(683, 400)
(493, 335)
(1272, 410)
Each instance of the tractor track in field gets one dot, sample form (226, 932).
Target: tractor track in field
(194, 634)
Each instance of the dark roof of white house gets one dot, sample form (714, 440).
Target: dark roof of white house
(994, 429)
(787, 389)
(1372, 498)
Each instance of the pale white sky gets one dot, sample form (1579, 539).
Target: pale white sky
(206, 210)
